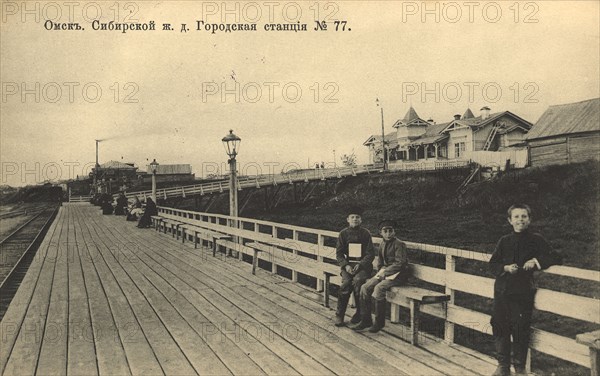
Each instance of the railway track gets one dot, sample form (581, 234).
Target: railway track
(17, 251)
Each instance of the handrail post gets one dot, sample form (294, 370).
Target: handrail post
(273, 264)
(449, 326)
(320, 244)
(295, 251)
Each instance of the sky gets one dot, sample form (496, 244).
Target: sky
(294, 98)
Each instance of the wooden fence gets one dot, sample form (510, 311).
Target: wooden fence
(259, 181)
(311, 257)
(428, 165)
(80, 198)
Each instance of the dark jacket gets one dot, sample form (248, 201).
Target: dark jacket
(393, 255)
(355, 235)
(519, 248)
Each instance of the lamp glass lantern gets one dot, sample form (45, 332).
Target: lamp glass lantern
(154, 166)
(231, 143)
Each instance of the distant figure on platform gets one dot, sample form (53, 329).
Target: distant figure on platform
(146, 219)
(134, 210)
(516, 257)
(354, 253)
(316, 166)
(322, 165)
(392, 270)
(121, 204)
(106, 205)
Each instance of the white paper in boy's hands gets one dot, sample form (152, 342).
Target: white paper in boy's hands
(354, 250)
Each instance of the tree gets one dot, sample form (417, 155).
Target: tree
(349, 159)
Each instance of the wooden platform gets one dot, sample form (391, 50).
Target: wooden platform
(104, 297)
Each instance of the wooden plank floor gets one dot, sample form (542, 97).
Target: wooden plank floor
(104, 297)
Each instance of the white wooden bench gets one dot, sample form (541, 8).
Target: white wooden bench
(592, 340)
(415, 297)
(314, 268)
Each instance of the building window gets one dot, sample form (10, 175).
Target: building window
(459, 149)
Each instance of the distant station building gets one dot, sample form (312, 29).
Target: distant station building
(169, 173)
(114, 176)
(417, 139)
(566, 133)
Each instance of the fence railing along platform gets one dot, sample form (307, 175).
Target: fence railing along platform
(303, 251)
(259, 181)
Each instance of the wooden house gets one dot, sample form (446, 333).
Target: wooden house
(418, 139)
(566, 133)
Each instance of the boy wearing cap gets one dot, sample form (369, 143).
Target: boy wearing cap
(355, 254)
(392, 270)
(516, 257)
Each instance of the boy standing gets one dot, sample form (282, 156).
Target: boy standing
(355, 255)
(392, 270)
(516, 257)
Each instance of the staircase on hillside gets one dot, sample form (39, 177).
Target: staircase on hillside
(463, 187)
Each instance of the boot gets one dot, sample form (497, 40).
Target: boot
(357, 317)
(379, 316)
(502, 371)
(365, 309)
(342, 304)
(519, 370)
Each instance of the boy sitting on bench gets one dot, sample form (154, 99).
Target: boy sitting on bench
(392, 270)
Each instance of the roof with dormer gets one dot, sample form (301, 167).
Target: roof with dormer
(468, 114)
(411, 119)
(477, 123)
(374, 139)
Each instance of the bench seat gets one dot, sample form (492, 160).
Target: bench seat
(592, 340)
(416, 296)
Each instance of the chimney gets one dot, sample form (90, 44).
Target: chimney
(431, 121)
(485, 112)
(457, 117)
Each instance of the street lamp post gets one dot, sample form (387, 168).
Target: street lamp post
(231, 142)
(95, 184)
(153, 168)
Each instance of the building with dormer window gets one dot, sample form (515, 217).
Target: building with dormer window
(417, 139)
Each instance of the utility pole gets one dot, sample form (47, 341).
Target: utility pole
(383, 151)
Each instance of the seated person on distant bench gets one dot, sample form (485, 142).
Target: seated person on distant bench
(146, 219)
(106, 205)
(121, 204)
(134, 211)
(392, 266)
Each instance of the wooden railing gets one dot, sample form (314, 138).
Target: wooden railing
(428, 165)
(289, 251)
(80, 198)
(259, 181)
